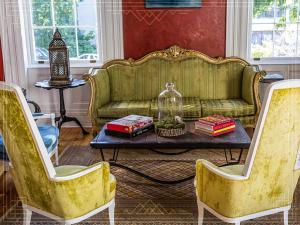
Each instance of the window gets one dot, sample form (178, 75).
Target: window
(75, 19)
(275, 29)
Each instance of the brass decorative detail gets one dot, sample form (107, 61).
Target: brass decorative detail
(258, 77)
(90, 79)
(174, 53)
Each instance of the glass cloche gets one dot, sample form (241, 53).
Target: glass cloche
(170, 113)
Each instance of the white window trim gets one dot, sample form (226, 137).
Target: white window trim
(32, 63)
(238, 34)
(14, 43)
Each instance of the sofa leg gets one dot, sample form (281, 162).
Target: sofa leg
(286, 217)
(200, 213)
(27, 216)
(111, 213)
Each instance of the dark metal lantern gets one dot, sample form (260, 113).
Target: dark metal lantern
(59, 61)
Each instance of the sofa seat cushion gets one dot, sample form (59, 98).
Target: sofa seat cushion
(124, 108)
(230, 107)
(191, 108)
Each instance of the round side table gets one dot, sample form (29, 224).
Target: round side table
(63, 118)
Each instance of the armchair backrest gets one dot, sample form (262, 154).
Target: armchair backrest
(194, 75)
(29, 160)
(272, 157)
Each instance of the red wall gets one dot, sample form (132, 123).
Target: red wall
(1, 65)
(202, 29)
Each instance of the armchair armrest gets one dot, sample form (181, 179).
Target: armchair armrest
(210, 178)
(217, 171)
(100, 92)
(80, 192)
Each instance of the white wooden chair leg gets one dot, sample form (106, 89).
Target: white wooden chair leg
(200, 213)
(111, 213)
(286, 217)
(27, 216)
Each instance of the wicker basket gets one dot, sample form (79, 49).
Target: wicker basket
(163, 132)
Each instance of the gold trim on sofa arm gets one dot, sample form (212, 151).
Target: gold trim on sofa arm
(89, 78)
(174, 53)
(258, 77)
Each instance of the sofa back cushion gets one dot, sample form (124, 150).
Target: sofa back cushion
(193, 77)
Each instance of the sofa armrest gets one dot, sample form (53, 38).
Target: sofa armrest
(100, 92)
(250, 85)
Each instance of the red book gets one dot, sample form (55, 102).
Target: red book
(215, 120)
(217, 133)
(201, 125)
(129, 123)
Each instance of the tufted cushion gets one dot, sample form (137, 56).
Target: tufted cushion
(230, 107)
(191, 108)
(49, 135)
(124, 108)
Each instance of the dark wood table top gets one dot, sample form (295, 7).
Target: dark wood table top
(45, 84)
(192, 139)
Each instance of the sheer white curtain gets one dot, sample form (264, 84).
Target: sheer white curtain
(13, 46)
(112, 29)
(238, 28)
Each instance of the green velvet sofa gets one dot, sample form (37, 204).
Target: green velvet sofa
(226, 86)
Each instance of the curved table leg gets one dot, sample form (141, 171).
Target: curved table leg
(113, 162)
(151, 178)
(170, 153)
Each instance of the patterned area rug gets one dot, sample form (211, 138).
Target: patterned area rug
(142, 202)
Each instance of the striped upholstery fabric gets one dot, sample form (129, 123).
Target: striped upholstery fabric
(193, 77)
(247, 121)
(230, 107)
(191, 108)
(124, 108)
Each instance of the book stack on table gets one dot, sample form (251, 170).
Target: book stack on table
(215, 125)
(129, 126)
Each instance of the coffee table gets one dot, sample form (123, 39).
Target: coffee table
(191, 140)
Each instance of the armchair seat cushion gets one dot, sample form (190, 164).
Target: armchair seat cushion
(231, 107)
(191, 107)
(67, 170)
(233, 169)
(49, 135)
(124, 108)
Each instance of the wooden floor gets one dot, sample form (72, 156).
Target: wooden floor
(8, 194)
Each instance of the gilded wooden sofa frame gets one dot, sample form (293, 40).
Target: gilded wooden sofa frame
(174, 53)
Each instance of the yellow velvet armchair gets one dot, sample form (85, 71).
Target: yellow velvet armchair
(266, 183)
(68, 194)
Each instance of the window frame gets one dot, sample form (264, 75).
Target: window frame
(28, 29)
(239, 31)
(267, 60)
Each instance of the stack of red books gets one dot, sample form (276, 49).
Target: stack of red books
(215, 125)
(129, 126)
